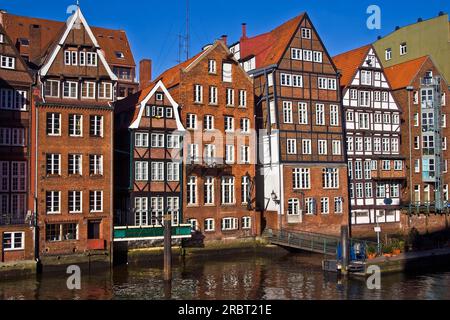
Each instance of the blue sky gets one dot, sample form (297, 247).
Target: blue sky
(153, 27)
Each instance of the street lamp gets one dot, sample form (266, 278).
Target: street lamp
(275, 198)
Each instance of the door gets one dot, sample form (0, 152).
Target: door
(93, 230)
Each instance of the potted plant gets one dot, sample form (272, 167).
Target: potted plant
(396, 247)
(371, 252)
(387, 251)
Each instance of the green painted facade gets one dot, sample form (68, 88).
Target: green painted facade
(429, 37)
(123, 233)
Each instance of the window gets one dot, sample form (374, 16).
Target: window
(96, 201)
(209, 191)
(297, 81)
(209, 225)
(51, 88)
(88, 90)
(12, 136)
(388, 54)
(366, 77)
(53, 202)
(13, 241)
(227, 190)
(287, 112)
(75, 164)
(209, 154)
(332, 84)
(96, 126)
(96, 165)
(395, 145)
(302, 113)
(291, 146)
(173, 141)
(403, 49)
(191, 121)
(336, 147)
(381, 191)
(310, 206)
(193, 152)
(293, 207)
(323, 147)
(363, 121)
(18, 176)
(157, 140)
(377, 95)
(242, 98)
(324, 205)
(395, 191)
(141, 170)
(173, 208)
(2, 38)
(444, 121)
(296, 54)
(7, 62)
(141, 211)
(317, 56)
(192, 190)
(306, 146)
(82, 58)
(141, 139)
(323, 83)
(193, 223)
(105, 90)
(91, 60)
(229, 224)
(75, 125)
(398, 165)
(53, 164)
(212, 66)
(330, 178)
(334, 115)
(229, 154)
(246, 223)
(338, 205)
(157, 171)
(417, 165)
(70, 89)
(213, 95)
(301, 178)
(386, 165)
(173, 171)
(245, 189)
(230, 97)
(245, 125)
(350, 116)
(229, 124)
(416, 143)
(227, 75)
(306, 33)
(320, 114)
(53, 124)
(245, 155)
(286, 79)
(198, 93)
(364, 98)
(75, 201)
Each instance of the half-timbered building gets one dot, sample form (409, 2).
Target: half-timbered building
(148, 158)
(302, 166)
(376, 166)
(16, 236)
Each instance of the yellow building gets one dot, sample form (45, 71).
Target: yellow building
(427, 37)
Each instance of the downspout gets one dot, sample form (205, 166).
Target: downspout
(409, 90)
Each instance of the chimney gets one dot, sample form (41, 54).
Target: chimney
(145, 73)
(35, 42)
(224, 39)
(244, 30)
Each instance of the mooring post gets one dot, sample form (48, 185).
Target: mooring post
(168, 247)
(344, 247)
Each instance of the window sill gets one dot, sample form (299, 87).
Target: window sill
(12, 250)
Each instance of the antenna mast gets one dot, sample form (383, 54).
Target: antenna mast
(187, 30)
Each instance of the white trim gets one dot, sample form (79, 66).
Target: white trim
(159, 85)
(77, 15)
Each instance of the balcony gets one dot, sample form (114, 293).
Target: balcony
(9, 220)
(389, 174)
(207, 164)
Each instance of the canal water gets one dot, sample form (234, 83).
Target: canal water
(247, 276)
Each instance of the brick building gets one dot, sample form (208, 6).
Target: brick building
(302, 165)
(71, 134)
(16, 233)
(216, 99)
(148, 141)
(376, 167)
(423, 95)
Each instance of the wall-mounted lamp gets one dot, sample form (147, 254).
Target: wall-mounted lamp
(275, 198)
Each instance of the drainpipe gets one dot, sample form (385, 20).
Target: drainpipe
(409, 89)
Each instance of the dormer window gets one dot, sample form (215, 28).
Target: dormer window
(120, 55)
(7, 62)
(388, 54)
(24, 42)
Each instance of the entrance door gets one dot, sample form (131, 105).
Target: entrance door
(93, 230)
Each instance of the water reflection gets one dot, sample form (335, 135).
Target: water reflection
(249, 276)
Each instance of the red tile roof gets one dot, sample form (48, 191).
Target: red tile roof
(403, 74)
(268, 48)
(348, 63)
(109, 40)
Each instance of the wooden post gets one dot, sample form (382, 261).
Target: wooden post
(344, 247)
(168, 247)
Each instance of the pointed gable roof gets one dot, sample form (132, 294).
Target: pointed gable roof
(403, 74)
(268, 48)
(348, 63)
